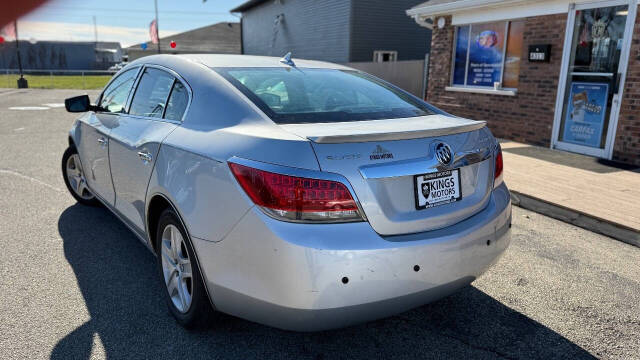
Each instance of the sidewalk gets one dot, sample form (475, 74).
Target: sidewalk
(598, 195)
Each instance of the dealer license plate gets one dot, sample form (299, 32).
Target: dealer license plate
(436, 189)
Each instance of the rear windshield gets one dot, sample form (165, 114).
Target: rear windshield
(294, 95)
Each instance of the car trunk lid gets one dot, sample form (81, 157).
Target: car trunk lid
(381, 159)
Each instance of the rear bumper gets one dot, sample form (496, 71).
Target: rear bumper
(290, 275)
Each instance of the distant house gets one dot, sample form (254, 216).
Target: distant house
(220, 38)
(61, 55)
(333, 30)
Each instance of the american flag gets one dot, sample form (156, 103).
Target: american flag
(153, 31)
(9, 31)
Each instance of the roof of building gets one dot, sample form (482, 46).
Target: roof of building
(223, 37)
(247, 5)
(441, 7)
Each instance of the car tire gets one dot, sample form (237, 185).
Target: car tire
(74, 178)
(184, 289)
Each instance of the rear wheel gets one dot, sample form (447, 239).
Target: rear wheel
(74, 178)
(185, 293)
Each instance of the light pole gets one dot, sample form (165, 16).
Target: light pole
(22, 82)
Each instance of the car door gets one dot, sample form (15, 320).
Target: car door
(157, 107)
(93, 144)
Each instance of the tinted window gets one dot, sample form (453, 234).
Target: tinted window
(322, 95)
(152, 92)
(177, 102)
(115, 95)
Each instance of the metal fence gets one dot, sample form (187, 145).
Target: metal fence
(11, 75)
(409, 75)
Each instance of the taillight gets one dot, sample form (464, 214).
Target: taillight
(499, 167)
(297, 198)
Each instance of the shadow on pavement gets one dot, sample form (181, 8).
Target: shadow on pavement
(117, 277)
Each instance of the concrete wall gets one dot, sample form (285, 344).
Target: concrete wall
(310, 29)
(407, 75)
(384, 25)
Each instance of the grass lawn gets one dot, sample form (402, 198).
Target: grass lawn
(57, 81)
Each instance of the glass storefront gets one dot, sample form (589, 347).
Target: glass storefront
(593, 76)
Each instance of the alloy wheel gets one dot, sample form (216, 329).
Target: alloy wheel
(76, 178)
(176, 268)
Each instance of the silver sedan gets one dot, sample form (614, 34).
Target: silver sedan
(298, 194)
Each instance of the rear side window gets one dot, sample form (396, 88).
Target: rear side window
(177, 102)
(301, 95)
(151, 95)
(115, 95)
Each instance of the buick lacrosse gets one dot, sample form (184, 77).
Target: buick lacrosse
(298, 194)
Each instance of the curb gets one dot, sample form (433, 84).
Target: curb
(577, 218)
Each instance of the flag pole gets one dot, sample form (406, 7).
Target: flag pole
(157, 27)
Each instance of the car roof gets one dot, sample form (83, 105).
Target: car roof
(231, 60)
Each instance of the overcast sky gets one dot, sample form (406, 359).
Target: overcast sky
(125, 21)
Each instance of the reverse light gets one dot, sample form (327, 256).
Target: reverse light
(293, 198)
(498, 169)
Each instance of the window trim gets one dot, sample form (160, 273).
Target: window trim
(393, 53)
(176, 77)
(478, 88)
(126, 103)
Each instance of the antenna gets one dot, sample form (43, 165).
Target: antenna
(287, 60)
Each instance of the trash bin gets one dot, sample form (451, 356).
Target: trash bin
(22, 83)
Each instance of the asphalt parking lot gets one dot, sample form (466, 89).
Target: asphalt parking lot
(77, 284)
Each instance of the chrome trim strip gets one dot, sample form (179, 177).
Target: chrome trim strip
(425, 165)
(403, 135)
(177, 77)
(291, 171)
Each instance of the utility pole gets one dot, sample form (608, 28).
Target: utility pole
(95, 30)
(22, 82)
(157, 25)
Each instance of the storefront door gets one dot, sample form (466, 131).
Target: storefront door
(594, 65)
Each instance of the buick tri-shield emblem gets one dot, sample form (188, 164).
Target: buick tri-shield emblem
(443, 153)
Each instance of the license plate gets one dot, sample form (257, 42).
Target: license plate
(436, 189)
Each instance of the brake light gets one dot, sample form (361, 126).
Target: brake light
(296, 198)
(499, 167)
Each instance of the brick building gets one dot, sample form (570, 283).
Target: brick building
(558, 73)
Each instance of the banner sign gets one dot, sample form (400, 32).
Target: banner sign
(586, 110)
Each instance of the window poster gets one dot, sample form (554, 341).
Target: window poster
(514, 51)
(485, 54)
(586, 110)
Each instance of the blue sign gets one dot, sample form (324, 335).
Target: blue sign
(586, 111)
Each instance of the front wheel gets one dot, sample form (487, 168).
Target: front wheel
(74, 178)
(185, 293)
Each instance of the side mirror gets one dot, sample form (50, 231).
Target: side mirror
(77, 104)
(80, 104)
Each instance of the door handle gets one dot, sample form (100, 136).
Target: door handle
(102, 141)
(145, 156)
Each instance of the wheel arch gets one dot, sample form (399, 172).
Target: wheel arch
(155, 207)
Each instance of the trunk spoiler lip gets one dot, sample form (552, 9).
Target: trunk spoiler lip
(394, 135)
